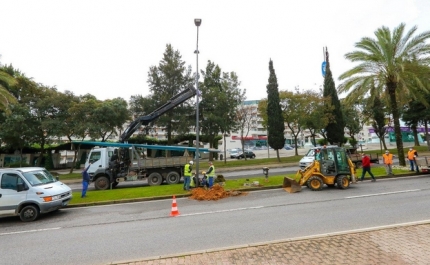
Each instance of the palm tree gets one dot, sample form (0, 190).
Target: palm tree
(5, 96)
(397, 63)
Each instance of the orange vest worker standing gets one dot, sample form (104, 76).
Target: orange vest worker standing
(388, 162)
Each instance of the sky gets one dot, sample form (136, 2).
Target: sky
(106, 47)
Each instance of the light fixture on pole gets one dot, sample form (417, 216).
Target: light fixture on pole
(197, 22)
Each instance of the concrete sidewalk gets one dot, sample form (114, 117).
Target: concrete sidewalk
(391, 245)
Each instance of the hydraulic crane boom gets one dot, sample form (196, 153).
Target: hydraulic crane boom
(145, 120)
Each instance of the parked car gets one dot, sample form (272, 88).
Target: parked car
(248, 154)
(288, 147)
(234, 153)
(27, 192)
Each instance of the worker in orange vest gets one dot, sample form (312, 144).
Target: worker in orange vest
(412, 155)
(388, 162)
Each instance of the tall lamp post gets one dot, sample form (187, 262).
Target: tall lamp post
(197, 22)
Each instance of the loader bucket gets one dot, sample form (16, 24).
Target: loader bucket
(291, 185)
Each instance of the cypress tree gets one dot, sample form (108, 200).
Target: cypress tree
(335, 128)
(275, 120)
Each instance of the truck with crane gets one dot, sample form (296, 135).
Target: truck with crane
(112, 163)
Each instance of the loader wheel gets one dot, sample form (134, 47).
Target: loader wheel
(343, 182)
(315, 183)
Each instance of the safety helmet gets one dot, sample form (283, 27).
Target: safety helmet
(191, 162)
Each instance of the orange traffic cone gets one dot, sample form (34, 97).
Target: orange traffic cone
(174, 211)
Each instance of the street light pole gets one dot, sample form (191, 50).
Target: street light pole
(197, 22)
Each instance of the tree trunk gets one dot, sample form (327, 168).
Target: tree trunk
(427, 135)
(396, 119)
(277, 154)
(415, 132)
(225, 152)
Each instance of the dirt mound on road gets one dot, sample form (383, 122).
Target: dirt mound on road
(215, 193)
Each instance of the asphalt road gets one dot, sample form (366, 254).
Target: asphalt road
(115, 233)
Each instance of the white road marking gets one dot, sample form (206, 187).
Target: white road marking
(223, 211)
(29, 231)
(379, 194)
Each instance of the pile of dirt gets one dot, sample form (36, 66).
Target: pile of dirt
(215, 193)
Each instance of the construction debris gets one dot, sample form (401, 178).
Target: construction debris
(215, 193)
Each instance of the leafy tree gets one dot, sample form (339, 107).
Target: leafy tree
(378, 112)
(76, 118)
(293, 106)
(232, 97)
(6, 97)
(396, 62)
(167, 80)
(221, 97)
(335, 127)
(20, 120)
(275, 120)
(352, 120)
(416, 113)
(108, 117)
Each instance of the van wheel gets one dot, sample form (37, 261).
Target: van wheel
(173, 177)
(155, 179)
(29, 213)
(101, 183)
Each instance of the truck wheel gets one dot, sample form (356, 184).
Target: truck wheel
(342, 182)
(315, 183)
(29, 213)
(173, 177)
(155, 179)
(101, 183)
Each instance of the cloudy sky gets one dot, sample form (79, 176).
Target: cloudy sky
(106, 47)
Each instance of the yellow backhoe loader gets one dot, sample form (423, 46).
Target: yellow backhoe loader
(331, 166)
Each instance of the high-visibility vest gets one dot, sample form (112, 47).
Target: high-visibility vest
(388, 159)
(411, 154)
(212, 173)
(187, 171)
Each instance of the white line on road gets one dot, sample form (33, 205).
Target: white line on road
(223, 211)
(29, 231)
(379, 194)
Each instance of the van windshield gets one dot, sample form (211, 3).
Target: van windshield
(39, 177)
(311, 152)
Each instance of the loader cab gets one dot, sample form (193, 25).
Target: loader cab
(333, 161)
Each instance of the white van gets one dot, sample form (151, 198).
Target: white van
(30, 191)
(310, 156)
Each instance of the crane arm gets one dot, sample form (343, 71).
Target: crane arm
(145, 120)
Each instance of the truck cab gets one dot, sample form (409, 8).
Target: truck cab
(99, 157)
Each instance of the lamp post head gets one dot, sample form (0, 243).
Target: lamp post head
(197, 21)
